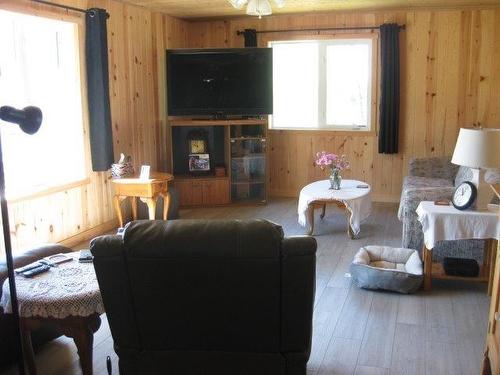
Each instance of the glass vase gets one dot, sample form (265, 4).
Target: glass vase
(335, 179)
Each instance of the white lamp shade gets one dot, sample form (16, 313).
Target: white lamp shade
(477, 148)
(259, 8)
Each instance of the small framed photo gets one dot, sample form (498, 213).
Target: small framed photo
(199, 162)
(145, 169)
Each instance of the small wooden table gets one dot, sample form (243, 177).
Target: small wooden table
(356, 202)
(147, 191)
(69, 297)
(446, 223)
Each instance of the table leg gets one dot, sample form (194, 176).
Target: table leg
(310, 219)
(323, 212)
(133, 205)
(427, 255)
(350, 231)
(491, 244)
(29, 356)
(151, 202)
(166, 204)
(118, 210)
(82, 329)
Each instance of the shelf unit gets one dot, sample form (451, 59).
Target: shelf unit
(239, 145)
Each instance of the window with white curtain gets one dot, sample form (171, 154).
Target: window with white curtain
(323, 84)
(40, 66)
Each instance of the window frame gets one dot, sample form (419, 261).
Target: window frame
(79, 24)
(371, 130)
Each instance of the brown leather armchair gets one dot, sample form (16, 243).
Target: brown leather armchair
(208, 297)
(46, 332)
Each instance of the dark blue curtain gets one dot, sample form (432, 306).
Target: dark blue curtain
(389, 100)
(250, 36)
(96, 56)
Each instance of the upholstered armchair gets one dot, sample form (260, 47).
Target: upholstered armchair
(431, 179)
(208, 297)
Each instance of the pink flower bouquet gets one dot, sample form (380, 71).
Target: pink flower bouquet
(334, 161)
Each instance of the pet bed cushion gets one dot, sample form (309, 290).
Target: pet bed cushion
(387, 268)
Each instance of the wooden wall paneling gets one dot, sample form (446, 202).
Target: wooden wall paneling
(136, 63)
(119, 79)
(473, 73)
(159, 46)
(168, 32)
(486, 67)
(448, 80)
(493, 118)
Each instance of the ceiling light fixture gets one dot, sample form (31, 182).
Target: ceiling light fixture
(257, 8)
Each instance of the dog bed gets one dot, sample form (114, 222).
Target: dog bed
(387, 268)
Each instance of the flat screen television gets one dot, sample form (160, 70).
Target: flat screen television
(220, 82)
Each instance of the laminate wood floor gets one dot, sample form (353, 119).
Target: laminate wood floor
(356, 332)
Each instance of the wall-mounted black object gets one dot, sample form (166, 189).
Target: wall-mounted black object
(220, 82)
(389, 89)
(29, 120)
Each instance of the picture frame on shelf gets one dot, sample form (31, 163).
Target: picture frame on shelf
(199, 163)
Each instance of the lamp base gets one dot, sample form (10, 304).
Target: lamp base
(483, 190)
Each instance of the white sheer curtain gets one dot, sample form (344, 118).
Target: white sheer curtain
(39, 65)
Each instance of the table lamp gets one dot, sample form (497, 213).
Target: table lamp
(478, 149)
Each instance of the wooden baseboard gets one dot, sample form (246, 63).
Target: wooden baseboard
(385, 198)
(90, 233)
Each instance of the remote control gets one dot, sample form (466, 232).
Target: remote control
(35, 271)
(85, 256)
(28, 267)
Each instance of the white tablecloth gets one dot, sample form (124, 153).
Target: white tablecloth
(446, 223)
(69, 289)
(357, 200)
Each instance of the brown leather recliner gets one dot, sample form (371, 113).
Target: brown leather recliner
(47, 331)
(208, 297)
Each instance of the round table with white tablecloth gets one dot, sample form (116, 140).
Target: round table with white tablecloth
(67, 295)
(353, 195)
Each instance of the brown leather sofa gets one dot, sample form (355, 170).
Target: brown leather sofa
(46, 332)
(208, 297)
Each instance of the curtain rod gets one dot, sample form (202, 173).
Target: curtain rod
(67, 7)
(239, 32)
(60, 6)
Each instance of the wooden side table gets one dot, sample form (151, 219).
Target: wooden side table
(446, 223)
(147, 191)
(355, 201)
(68, 296)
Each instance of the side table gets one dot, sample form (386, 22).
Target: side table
(67, 295)
(446, 223)
(147, 191)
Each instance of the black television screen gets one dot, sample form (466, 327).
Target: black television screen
(220, 82)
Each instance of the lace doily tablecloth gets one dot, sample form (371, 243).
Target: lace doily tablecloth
(357, 200)
(69, 289)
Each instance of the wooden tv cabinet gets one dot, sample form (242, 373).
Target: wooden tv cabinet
(238, 145)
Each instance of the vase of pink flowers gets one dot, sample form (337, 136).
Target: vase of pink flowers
(336, 164)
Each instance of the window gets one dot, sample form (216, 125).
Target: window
(39, 65)
(323, 84)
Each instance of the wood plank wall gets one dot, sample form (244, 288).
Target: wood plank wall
(450, 79)
(137, 39)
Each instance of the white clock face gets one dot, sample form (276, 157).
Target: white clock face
(462, 195)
